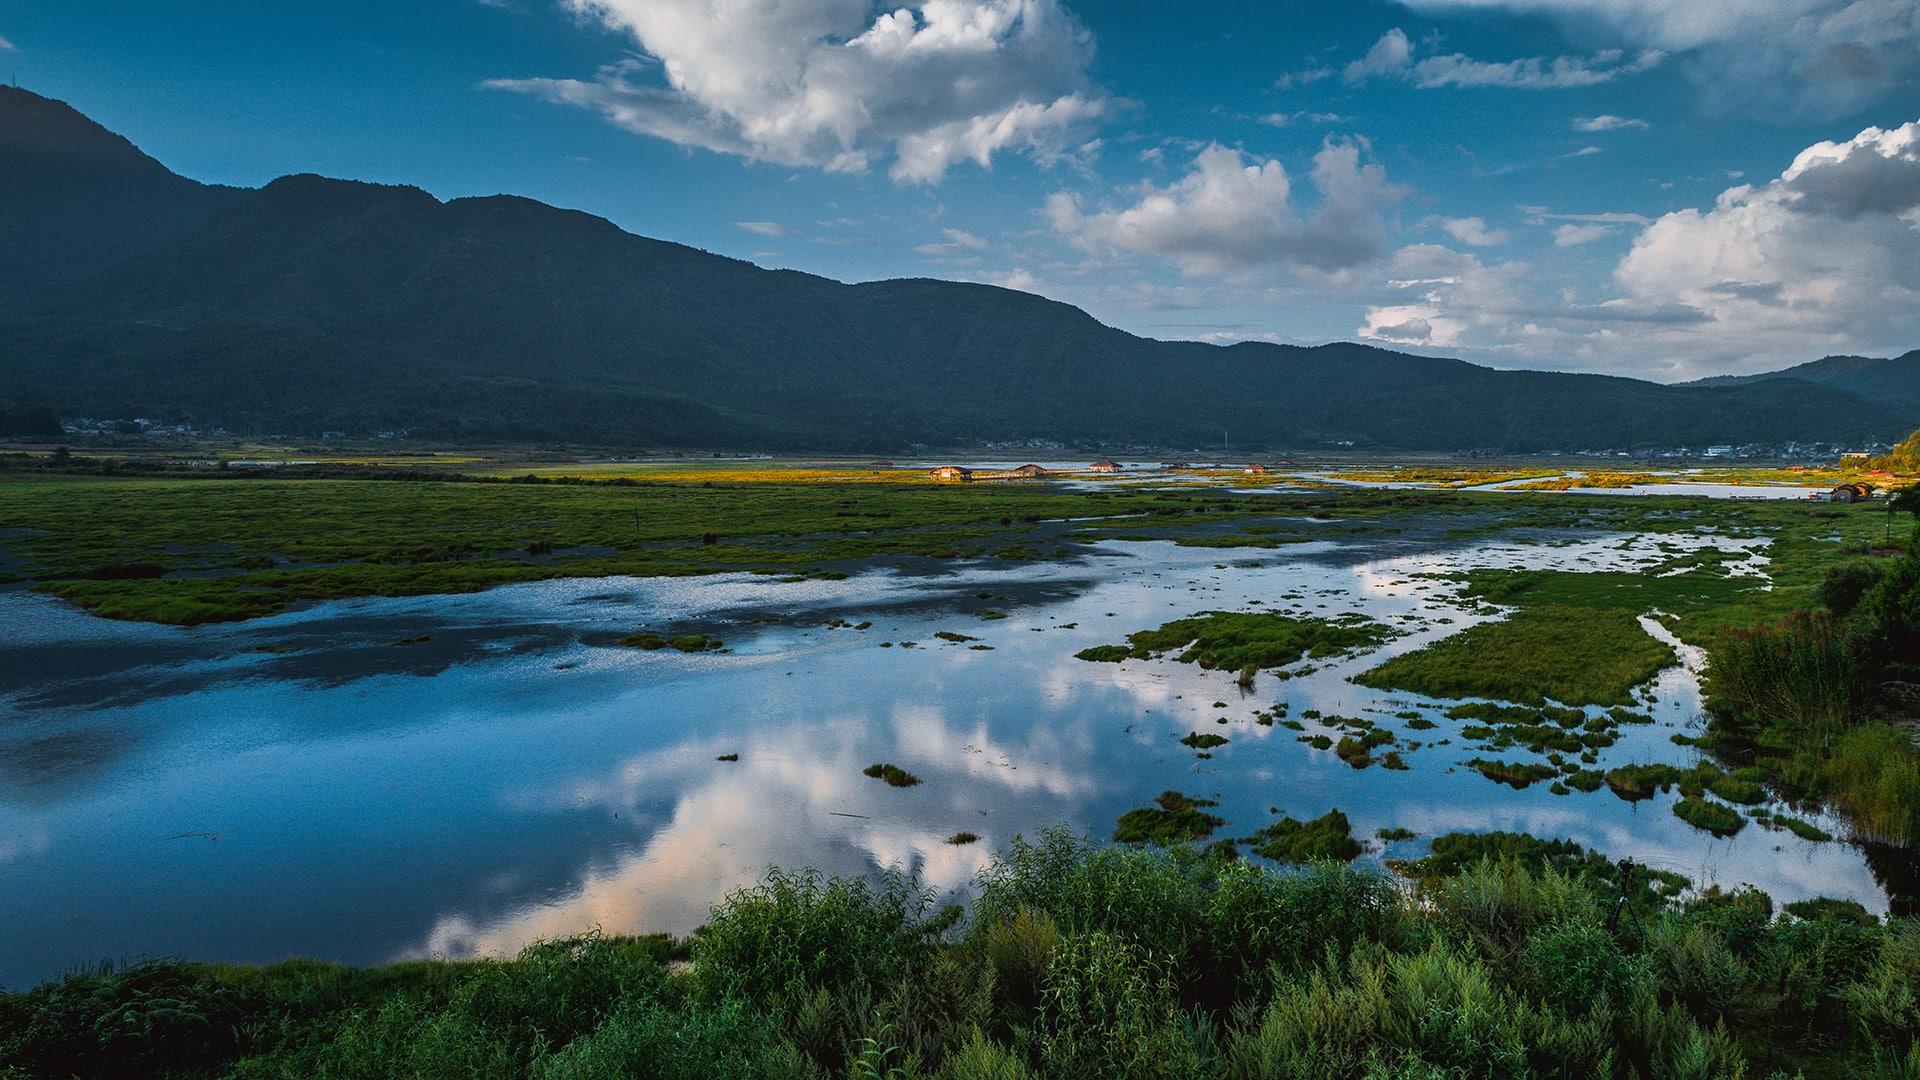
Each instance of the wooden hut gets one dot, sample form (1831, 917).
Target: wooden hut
(1029, 472)
(1851, 493)
(953, 474)
(1256, 469)
(1104, 466)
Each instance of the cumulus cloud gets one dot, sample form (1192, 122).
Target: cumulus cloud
(1607, 122)
(1473, 231)
(826, 83)
(1232, 214)
(1827, 254)
(1825, 57)
(1392, 57)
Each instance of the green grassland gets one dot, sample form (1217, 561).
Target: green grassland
(1511, 957)
(232, 547)
(1576, 656)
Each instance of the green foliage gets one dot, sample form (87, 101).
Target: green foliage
(1577, 656)
(1176, 820)
(1245, 641)
(1800, 672)
(1705, 814)
(1076, 961)
(1328, 837)
(1203, 741)
(1846, 583)
(894, 775)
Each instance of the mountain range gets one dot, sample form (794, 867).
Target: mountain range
(314, 304)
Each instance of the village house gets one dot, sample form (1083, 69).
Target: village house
(953, 474)
(1104, 466)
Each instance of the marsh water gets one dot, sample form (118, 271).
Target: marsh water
(457, 775)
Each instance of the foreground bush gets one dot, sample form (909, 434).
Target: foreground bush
(1075, 961)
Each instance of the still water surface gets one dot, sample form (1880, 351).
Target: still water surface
(376, 779)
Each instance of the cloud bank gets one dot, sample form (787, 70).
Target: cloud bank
(825, 83)
(1392, 57)
(1821, 57)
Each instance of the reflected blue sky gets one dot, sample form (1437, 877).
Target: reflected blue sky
(200, 797)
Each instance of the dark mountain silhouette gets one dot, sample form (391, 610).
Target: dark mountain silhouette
(314, 304)
(1893, 380)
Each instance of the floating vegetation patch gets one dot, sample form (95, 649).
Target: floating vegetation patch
(686, 643)
(1395, 832)
(1288, 840)
(962, 838)
(1177, 819)
(1516, 775)
(1458, 851)
(728, 757)
(949, 635)
(1712, 816)
(894, 775)
(1207, 741)
(1239, 641)
(1800, 827)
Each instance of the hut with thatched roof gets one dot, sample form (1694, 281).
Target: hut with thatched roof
(1104, 466)
(953, 474)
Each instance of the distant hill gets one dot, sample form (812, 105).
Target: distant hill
(1894, 380)
(314, 304)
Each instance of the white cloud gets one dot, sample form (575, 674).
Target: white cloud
(826, 83)
(1571, 235)
(1473, 231)
(1303, 78)
(1392, 57)
(956, 242)
(1823, 57)
(8, 46)
(1232, 214)
(763, 228)
(1825, 256)
(1283, 119)
(1607, 122)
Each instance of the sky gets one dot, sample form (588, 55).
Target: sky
(1666, 189)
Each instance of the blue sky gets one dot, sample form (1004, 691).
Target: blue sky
(1662, 188)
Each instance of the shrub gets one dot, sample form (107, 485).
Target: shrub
(1845, 584)
(1109, 1011)
(775, 943)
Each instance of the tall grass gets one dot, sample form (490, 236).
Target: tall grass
(1800, 671)
(1075, 961)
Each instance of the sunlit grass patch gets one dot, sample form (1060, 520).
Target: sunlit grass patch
(1571, 655)
(1236, 641)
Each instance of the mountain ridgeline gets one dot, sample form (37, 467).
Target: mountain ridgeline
(314, 304)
